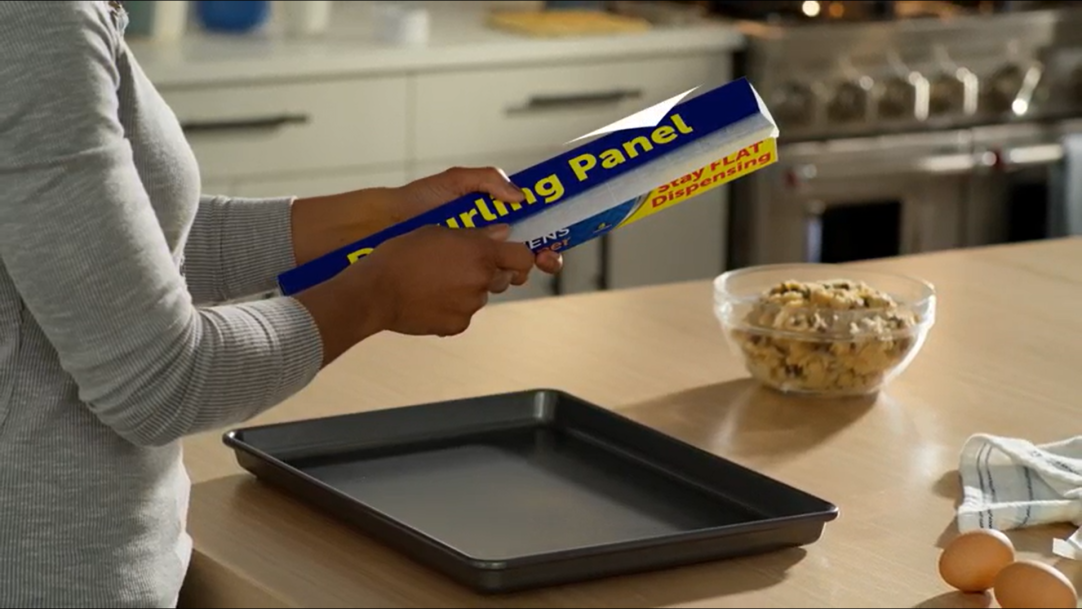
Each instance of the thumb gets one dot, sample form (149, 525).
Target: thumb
(498, 232)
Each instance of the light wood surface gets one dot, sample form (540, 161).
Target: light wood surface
(1004, 358)
(566, 23)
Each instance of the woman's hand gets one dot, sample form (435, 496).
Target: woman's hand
(430, 281)
(323, 224)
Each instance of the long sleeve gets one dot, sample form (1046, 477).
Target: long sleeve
(90, 259)
(238, 247)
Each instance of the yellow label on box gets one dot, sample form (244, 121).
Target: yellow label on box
(732, 167)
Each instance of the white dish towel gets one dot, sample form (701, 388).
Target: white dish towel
(1010, 484)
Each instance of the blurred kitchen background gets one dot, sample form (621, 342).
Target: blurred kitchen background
(906, 127)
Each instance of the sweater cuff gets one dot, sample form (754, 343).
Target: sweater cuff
(257, 238)
(298, 343)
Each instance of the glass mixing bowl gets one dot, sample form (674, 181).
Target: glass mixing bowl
(816, 329)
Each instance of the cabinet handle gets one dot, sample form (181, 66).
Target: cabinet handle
(269, 123)
(541, 103)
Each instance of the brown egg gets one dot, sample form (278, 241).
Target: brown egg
(972, 560)
(1027, 583)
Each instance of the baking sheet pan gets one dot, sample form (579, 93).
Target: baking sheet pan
(531, 489)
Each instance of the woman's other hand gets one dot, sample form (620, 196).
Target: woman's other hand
(434, 279)
(323, 224)
(430, 281)
(427, 193)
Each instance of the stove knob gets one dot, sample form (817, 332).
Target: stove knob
(1003, 87)
(793, 104)
(898, 99)
(849, 103)
(946, 95)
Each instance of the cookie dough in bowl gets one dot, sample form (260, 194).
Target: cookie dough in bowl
(823, 329)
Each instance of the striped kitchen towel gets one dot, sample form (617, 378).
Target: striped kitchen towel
(1010, 483)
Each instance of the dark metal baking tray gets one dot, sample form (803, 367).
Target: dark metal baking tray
(524, 490)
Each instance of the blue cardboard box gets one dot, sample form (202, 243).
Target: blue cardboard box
(630, 170)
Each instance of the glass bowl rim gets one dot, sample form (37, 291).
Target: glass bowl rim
(725, 299)
(723, 295)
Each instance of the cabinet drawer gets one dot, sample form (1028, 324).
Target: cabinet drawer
(686, 242)
(473, 113)
(314, 185)
(509, 163)
(294, 127)
(222, 188)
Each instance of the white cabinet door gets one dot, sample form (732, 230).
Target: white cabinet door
(265, 129)
(218, 187)
(683, 243)
(523, 108)
(686, 242)
(316, 184)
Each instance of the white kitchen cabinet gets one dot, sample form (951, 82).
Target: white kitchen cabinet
(217, 187)
(683, 243)
(686, 242)
(525, 109)
(276, 128)
(316, 184)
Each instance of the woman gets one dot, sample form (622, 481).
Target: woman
(110, 349)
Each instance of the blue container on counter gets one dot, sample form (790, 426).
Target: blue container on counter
(234, 16)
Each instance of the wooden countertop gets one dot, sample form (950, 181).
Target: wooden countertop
(1004, 358)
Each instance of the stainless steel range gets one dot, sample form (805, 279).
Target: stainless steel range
(913, 135)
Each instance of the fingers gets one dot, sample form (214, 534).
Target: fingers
(454, 326)
(458, 316)
(513, 260)
(501, 282)
(498, 232)
(550, 262)
(489, 180)
(516, 258)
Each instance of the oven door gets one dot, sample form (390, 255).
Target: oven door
(861, 199)
(1032, 190)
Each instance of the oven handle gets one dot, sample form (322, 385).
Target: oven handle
(1039, 154)
(1022, 156)
(953, 164)
(946, 164)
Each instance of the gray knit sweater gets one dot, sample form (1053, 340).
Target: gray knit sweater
(110, 347)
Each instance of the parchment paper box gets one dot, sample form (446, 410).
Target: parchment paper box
(634, 168)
